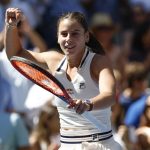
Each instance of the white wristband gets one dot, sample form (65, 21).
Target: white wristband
(90, 105)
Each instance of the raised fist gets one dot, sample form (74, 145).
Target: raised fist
(13, 16)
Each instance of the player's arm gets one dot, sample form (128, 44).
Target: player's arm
(12, 40)
(102, 73)
(13, 44)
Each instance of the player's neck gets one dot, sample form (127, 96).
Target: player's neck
(76, 61)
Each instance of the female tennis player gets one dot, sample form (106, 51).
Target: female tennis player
(86, 73)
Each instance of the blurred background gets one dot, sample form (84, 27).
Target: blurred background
(28, 117)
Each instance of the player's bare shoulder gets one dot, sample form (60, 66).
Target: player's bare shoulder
(99, 62)
(52, 58)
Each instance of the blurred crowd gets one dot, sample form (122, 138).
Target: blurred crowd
(28, 117)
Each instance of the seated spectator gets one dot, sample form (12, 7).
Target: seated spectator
(137, 84)
(133, 100)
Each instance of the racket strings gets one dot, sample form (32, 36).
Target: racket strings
(40, 78)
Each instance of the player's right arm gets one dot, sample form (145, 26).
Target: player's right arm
(13, 44)
(12, 40)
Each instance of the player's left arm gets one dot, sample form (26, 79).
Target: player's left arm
(102, 73)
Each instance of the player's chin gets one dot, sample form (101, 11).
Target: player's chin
(69, 52)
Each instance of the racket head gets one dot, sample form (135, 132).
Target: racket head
(41, 77)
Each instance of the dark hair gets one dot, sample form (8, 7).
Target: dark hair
(137, 42)
(93, 44)
(135, 71)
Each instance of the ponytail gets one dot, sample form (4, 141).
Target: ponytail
(94, 45)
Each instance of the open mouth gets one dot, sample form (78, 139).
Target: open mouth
(69, 47)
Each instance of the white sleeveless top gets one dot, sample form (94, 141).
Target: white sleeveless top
(81, 87)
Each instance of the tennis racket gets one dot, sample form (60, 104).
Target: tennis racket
(47, 81)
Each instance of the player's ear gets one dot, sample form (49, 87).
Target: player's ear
(57, 38)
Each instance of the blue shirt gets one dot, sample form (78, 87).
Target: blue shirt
(135, 112)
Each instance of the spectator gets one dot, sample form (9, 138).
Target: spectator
(45, 135)
(34, 102)
(132, 101)
(132, 118)
(105, 32)
(137, 84)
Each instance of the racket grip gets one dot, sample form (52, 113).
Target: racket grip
(94, 121)
(97, 123)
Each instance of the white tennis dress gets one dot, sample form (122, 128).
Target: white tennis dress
(80, 130)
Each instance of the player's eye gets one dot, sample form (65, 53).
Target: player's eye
(64, 34)
(75, 33)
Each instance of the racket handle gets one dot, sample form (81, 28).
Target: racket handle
(94, 121)
(98, 124)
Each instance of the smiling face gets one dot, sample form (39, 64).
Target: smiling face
(72, 37)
